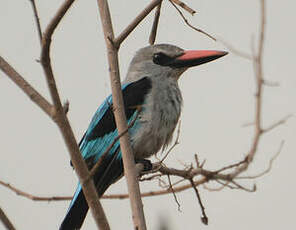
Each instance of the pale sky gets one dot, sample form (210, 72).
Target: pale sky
(218, 101)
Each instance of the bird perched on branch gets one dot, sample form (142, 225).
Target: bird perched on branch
(152, 103)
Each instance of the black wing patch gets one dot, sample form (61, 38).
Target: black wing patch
(133, 95)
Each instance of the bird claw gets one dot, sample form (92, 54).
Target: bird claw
(147, 165)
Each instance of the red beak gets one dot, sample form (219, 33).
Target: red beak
(197, 57)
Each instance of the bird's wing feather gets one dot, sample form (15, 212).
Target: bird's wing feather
(102, 129)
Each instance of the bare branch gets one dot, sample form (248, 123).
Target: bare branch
(269, 165)
(122, 36)
(184, 6)
(89, 189)
(155, 25)
(231, 166)
(172, 189)
(27, 88)
(37, 20)
(224, 185)
(6, 222)
(257, 61)
(111, 196)
(130, 170)
(33, 197)
(191, 26)
(244, 188)
(259, 83)
(276, 124)
(185, 174)
(204, 217)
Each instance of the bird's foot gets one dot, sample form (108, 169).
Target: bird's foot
(147, 165)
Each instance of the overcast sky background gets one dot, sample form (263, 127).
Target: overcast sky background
(218, 100)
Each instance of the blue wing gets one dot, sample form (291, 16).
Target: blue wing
(102, 129)
(98, 137)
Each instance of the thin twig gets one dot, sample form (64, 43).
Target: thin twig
(184, 6)
(226, 184)
(231, 166)
(6, 222)
(106, 196)
(204, 217)
(123, 35)
(269, 165)
(270, 83)
(223, 185)
(27, 88)
(191, 26)
(155, 25)
(257, 62)
(244, 188)
(276, 124)
(235, 51)
(37, 20)
(34, 197)
(175, 197)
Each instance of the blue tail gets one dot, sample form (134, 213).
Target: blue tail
(110, 170)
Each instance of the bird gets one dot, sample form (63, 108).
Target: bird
(152, 104)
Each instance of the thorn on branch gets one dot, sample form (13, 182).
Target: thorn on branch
(196, 161)
(66, 106)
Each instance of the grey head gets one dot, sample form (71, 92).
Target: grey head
(167, 61)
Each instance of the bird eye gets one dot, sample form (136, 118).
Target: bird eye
(157, 57)
(160, 58)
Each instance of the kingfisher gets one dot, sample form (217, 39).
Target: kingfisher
(152, 104)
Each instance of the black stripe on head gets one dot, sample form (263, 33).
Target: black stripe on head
(133, 95)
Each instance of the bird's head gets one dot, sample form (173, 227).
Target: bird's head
(164, 60)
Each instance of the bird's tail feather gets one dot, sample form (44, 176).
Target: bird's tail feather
(110, 170)
(76, 212)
